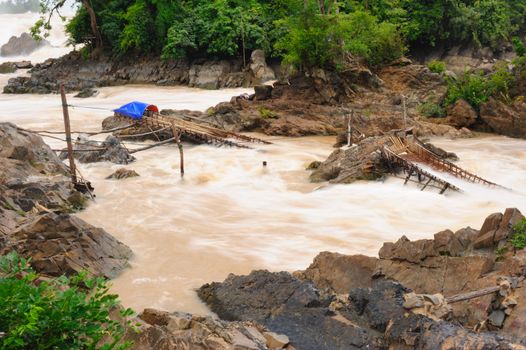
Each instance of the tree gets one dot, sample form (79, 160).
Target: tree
(52, 7)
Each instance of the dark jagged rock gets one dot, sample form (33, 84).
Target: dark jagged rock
(360, 162)
(7, 67)
(509, 120)
(110, 150)
(35, 196)
(370, 318)
(22, 45)
(76, 73)
(65, 245)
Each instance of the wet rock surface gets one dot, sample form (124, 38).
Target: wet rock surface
(61, 244)
(21, 45)
(396, 301)
(77, 73)
(111, 150)
(36, 199)
(123, 174)
(359, 162)
(504, 119)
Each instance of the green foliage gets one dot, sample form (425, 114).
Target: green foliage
(62, 313)
(472, 87)
(302, 32)
(518, 240)
(139, 31)
(476, 88)
(266, 113)
(431, 109)
(316, 40)
(436, 66)
(519, 47)
(499, 253)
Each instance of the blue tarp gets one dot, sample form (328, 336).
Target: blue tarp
(135, 109)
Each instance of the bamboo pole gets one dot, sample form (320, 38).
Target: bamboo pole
(67, 128)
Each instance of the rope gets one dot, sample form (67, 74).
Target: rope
(88, 107)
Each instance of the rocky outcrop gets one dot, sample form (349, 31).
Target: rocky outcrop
(372, 318)
(259, 68)
(22, 45)
(360, 162)
(36, 197)
(461, 114)
(76, 73)
(61, 244)
(160, 330)
(509, 120)
(110, 150)
(395, 301)
(7, 68)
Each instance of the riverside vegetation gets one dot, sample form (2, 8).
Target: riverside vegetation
(305, 35)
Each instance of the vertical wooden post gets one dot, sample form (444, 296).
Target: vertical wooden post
(181, 155)
(67, 128)
(405, 113)
(177, 136)
(349, 129)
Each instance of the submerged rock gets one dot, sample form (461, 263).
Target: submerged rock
(123, 174)
(87, 92)
(8, 67)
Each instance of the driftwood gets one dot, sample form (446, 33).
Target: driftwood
(472, 295)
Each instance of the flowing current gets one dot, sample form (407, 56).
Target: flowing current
(231, 215)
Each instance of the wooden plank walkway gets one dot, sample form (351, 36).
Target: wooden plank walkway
(196, 131)
(397, 163)
(404, 153)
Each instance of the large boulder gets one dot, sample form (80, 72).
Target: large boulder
(213, 75)
(259, 68)
(461, 114)
(504, 119)
(372, 318)
(340, 272)
(22, 45)
(361, 162)
(65, 245)
(7, 68)
(36, 194)
(111, 150)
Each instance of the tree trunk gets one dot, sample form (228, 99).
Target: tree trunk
(93, 24)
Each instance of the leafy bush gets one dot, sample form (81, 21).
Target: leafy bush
(472, 87)
(432, 110)
(436, 66)
(266, 113)
(518, 240)
(518, 46)
(324, 40)
(62, 313)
